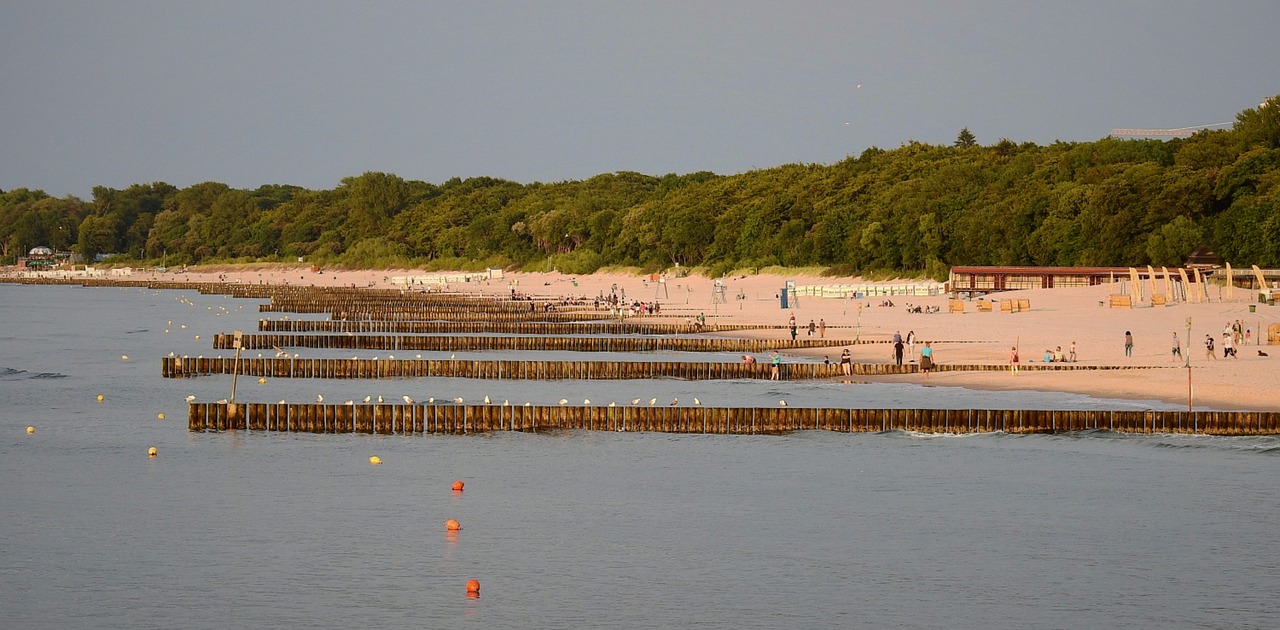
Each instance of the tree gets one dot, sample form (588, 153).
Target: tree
(965, 139)
(97, 236)
(1170, 245)
(1260, 127)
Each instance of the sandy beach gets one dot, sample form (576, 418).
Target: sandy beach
(1057, 318)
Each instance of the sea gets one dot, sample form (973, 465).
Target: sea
(580, 529)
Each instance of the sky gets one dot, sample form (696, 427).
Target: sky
(254, 92)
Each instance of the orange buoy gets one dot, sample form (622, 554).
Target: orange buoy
(473, 586)
(452, 525)
(457, 486)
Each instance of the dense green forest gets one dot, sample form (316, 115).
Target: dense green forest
(915, 210)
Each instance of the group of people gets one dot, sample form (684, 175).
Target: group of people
(820, 327)
(1052, 356)
(1056, 355)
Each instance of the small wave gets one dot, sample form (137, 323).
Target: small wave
(140, 330)
(12, 374)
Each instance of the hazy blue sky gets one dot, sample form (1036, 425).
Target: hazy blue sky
(259, 92)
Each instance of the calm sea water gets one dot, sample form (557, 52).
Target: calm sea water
(581, 529)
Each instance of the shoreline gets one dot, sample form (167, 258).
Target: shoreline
(1057, 318)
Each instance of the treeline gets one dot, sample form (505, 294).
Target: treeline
(917, 210)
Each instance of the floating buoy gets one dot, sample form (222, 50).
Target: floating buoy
(375, 460)
(262, 380)
(473, 587)
(101, 397)
(452, 525)
(160, 416)
(152, 452)
(457, 486)
(31, 429)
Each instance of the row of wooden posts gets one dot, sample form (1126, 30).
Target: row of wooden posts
(183, 367)
(610, 327)
(406, 419)
(485, 342)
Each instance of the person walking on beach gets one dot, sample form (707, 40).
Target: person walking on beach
(1013, 360)
(846, 362)
(822, 328)
(1072, 356)
(793, 328)
(1228, 347)
(911, 344)
(775, 366)
(1177, 348)
(812, 328)
(1208, 347)
(926, 359)
(1128, 344)
(897, 350)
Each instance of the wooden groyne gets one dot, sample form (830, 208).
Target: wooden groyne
(183, 367)
(413, 419)
(577, 344)
(612, 327)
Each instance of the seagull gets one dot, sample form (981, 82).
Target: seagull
(528, 404)
(635, 401)
(653, 401)
(419, 356)
(782, 403)
(281, 401)
(506, 403)
(379, 398)
(564, 401)
(452, 356)
(368, 398)
(191, 398)
(349, 402)
(458, 400)
(222, 401)
(319, 398)
(431, 400)
(391, 356)
(279, 351)
(375, 358)
(675, 401)
(697, 402)
(613, 404)
(586, 401)
(408, 401)
(486, 399)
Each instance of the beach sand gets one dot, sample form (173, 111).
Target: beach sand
(1057, 317)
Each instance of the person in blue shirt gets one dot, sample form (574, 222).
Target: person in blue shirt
(926, 359)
